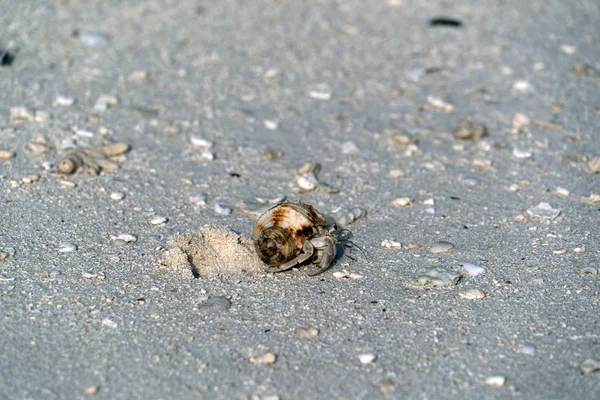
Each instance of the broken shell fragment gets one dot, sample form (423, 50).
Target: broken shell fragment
(114, 149)
(70, 164)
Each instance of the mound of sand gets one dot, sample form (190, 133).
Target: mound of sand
(213, 250)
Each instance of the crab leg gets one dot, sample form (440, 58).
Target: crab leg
(327, 244)
(308, 250)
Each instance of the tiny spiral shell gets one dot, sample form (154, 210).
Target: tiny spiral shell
(280, 232)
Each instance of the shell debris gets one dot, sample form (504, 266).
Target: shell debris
(267, 359)
(96, 159)
(6, 154)
(307, 179)
(345, 217)
(437, 276)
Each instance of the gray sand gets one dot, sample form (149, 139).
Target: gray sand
(372, 92)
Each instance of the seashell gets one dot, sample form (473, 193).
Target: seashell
(281, 232)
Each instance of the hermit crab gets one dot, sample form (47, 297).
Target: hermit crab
(292, 234)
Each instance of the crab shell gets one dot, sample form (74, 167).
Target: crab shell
(280, 233)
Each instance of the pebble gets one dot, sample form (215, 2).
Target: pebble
(200, 142)
(472, 294)
(543, 211)
(589, 366)
(67, 184)
(307, 181)
(207, 155)
(513, 188)
(437, 276)
(158, 220)
(347, 275)
(42, 116)
(519, 122)
(588, 271)
(562, 191)
(467, 130)
(30, 178)
(214, 304)
(3, 255)
(20, 114)
(594, 165)
(522, 154)
(6, 155)
(320, 94)
(471, 181)
(390, 244)
(306, 333)
(413, 246)
(64, 101)
(495, 381)
(272, 154)
(429, 202)
(91, 390)
(440, 104)
(89, 275)
(395, 3)
(402, 141)
(267, 359)
(117, 196)
(568, 49)
(367, 358)
(528, 349)
(222, 209)
(198, 198)
(127, 237)
(138, 75)
(110, 323)
(579, 250)
(472, 269)
(67, 247)
(482, 163)
(593, 199)
(92, 38)
(85, 133)
(271, 125)
(103, 102)
(402, 202)
(349, 147)
(559, 252)
(523, 87)
(272, 74)
(441, 247)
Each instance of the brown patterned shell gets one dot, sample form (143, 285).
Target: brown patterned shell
(280, 233)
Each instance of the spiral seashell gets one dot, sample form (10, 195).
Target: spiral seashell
(280, 232)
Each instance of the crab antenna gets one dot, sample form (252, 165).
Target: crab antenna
(358, 247)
